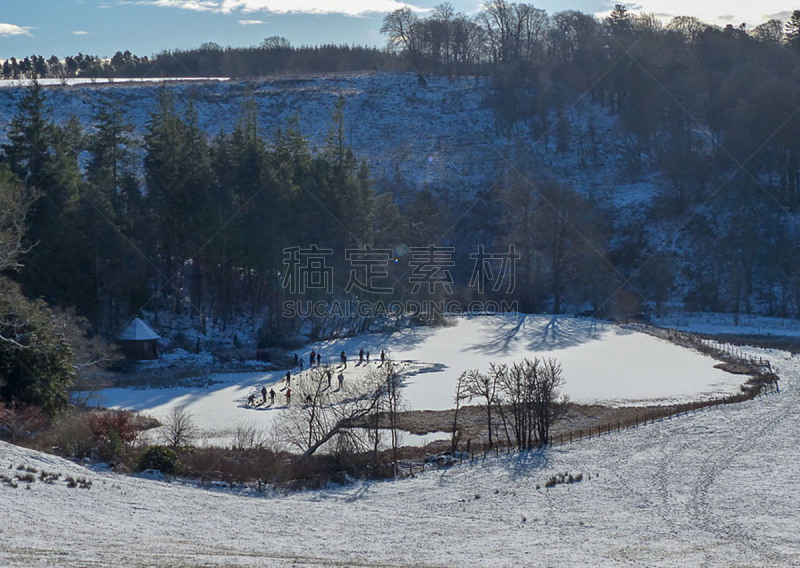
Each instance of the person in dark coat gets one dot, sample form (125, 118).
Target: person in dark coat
(263, 394)
(272, 396)
(319, 359)
(343, 357)
(311, 359)
(288, 396)
(383, 356)
(288, 378)
(329, 375)
(361, 356)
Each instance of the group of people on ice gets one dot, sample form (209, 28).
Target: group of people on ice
(314, 359)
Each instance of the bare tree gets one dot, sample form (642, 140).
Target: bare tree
(15, 202)
(530, 390)
(770, 32)
(179, 428)
(320, 414)
(482, 386)
(461, 395)
(549, 403)
(387, 410)
(400, 27)
(248, 436)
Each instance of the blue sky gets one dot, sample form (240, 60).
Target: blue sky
(145, 27)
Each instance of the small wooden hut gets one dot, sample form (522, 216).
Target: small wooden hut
(139, 341)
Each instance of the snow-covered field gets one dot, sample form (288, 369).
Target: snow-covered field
(715, 488)
(730, 324)
(602, 363)
(78, 81)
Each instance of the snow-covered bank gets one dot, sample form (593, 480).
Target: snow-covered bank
(732, 324)
(715, 489)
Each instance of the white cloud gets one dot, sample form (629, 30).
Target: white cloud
(194, 5)
(12, 30)
(251, 22)
(80, 32)
(346, 7)
(719, 12)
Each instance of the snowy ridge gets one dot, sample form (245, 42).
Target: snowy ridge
(715, 488)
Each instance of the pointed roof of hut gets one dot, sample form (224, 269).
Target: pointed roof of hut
(137, 330)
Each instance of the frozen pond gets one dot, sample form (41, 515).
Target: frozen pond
(602, 363)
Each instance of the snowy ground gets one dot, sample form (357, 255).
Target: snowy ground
(77, 81)
(715, 488)
(730, 324)
(602, 363)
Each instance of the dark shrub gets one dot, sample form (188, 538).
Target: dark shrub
(158, 457)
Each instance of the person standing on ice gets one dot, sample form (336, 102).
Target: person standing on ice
(263, 394)
(383, 356)
(341, 380)
(329, 375)
(343, 357)
(319, 358)
(271, 396)
(312, 358)
(288, 396)
(288, 378)
(361, 356)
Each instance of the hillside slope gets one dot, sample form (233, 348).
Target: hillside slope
(714, 489)
(431, 131)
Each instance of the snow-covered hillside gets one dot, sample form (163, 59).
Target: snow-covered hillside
(716, 488)
(437, 132)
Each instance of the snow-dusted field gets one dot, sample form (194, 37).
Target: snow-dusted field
(715, 488)
(602, 363)
(78, 81)
(744, 324)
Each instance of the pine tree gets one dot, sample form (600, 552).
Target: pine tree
(30, 137)
(793, 31)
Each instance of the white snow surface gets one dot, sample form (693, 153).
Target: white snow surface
(731, 324)
(79, 81)
(715, 488)
(602, 363)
